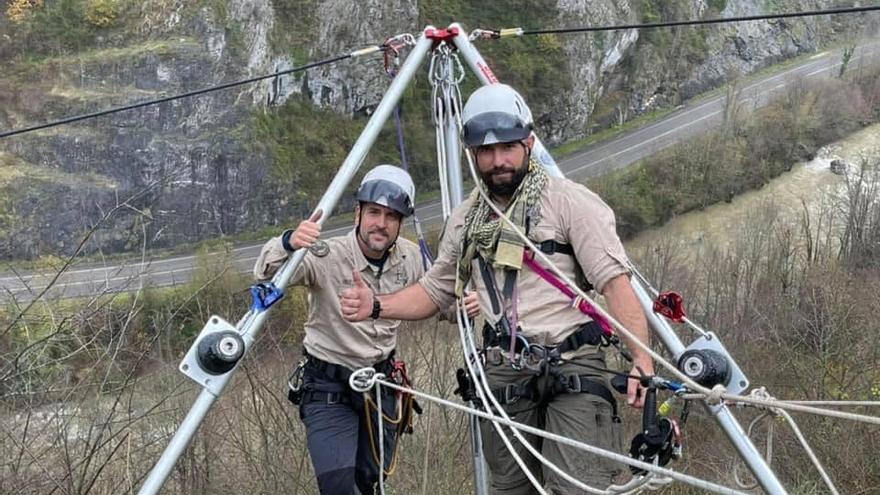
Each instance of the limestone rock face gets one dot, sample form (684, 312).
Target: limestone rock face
(189, 169)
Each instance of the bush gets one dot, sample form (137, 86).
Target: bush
(102, 13)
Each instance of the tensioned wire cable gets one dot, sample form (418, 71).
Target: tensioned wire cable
(189, 94)
(503, 33)
(485, 33)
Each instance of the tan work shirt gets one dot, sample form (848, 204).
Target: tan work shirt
(569, 214)
(329, 336)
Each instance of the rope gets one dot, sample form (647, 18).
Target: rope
(466, 329)
(477, 372)
(790, 406)
(381, 427)
(504, 33)
(379, 379)
(810, 453)
(702, 392)
(768, 456)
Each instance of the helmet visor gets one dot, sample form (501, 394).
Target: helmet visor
(494, 127)
(386, 193)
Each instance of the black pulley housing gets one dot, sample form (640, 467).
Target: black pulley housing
(220, 351)
(705, 366)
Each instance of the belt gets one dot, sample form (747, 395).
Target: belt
(339, 373)
(590, 333)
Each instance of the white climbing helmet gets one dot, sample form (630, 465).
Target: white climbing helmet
(495, 114)
(389, 186)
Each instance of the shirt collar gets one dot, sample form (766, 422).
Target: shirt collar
(360, 261)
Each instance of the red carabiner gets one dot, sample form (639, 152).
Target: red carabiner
(671, 305)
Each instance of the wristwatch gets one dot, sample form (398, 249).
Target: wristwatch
(377, 308)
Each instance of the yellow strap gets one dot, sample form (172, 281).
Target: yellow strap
(369, 406)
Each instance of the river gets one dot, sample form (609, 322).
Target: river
(808, 183)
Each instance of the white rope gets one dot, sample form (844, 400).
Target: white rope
(810, 453)
(768, 456)
(438, 115)
(485, 392)
(380, 425)
(762, 393)
(699, 483)
(833, 403)
(790, 406)
(702, 391)
(469, 348)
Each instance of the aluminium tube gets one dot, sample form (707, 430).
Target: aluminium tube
(252, 323)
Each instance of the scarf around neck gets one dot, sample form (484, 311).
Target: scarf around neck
(488, 236)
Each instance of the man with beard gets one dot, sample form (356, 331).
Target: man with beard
(338, 434)
(527, 320)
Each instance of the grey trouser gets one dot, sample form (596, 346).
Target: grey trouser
(580, 416)
(338, 437)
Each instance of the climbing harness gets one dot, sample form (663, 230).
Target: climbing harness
(403, 421)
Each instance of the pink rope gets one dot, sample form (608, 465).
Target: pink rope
(582, 304)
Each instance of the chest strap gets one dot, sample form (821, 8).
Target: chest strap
(550, 246)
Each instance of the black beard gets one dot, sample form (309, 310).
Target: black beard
(509, 188)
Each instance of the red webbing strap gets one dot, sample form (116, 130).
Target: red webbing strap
(582, 304)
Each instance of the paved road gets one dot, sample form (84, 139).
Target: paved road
(685, 123)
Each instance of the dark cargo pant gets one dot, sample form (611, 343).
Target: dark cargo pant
(338, 439)
(583, 417)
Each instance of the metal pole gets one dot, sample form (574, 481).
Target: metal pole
(250, 325)
(726, 420)
(765, 476)
(454, 185)
(453, 146)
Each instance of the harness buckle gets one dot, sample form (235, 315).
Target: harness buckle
(510, 394)
(574, 384)
(540, 355)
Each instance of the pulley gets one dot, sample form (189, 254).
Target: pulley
(219, 352)
(705, 366)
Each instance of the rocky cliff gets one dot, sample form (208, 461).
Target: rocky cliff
(255, 155)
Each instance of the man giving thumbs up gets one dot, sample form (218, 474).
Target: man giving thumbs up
(370, 256)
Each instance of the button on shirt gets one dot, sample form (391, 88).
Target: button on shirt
(329, 336)
(569, 213)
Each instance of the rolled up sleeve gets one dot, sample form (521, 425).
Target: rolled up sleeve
(593, 233)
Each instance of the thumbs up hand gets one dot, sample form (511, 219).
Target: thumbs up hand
(356, 302)
(307, 232)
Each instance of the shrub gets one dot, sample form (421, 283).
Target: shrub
(102, 13)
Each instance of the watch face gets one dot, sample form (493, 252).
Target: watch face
(320, 249)
(377, 308)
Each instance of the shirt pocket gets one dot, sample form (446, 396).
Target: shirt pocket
(544, 232)
(394, 279)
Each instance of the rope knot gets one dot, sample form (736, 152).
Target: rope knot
(714, 395)
(364, 379)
